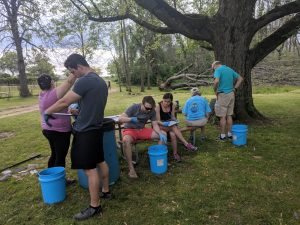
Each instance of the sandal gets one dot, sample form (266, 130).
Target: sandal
(177, 157)
(132, 175)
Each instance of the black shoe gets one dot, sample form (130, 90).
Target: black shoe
(229, 137)
(88, 212)
(221, 139)
(106, 195)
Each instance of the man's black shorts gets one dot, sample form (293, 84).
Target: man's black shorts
(87, 149)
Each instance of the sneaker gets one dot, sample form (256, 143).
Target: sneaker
(191, 147)
(221, 139)
(88, 212)
(106, 195)
(229, 137)
(177, 157)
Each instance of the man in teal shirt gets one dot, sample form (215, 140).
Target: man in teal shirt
(226, 82)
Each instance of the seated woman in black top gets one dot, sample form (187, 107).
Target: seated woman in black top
(165, 113)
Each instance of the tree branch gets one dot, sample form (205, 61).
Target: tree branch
(191, 78)
(276, 13)
(126, 15)
(5, 37)
(195, 27)
(2, 14)
(178, 74)
(187, 85)
(8, 47)
(206, 46)
(87, 12)
(30, 43)
(262, 49)
(162, 30)
(4, 29)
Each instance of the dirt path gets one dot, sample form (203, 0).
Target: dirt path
(30, 108)
(18, 111)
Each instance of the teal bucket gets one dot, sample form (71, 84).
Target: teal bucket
(82, 179)
(158, 158)
(239, 134)
(53, 184)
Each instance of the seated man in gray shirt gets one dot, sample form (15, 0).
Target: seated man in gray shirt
(135, 118)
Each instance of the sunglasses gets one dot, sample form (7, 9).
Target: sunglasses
(148, 108)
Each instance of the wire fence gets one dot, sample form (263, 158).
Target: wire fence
(10, 91)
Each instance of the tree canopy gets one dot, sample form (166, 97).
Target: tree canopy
(229, 29)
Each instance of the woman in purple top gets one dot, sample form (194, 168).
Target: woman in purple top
(59, 131)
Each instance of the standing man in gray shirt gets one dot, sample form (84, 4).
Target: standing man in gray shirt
(90, 91)
(135, 118)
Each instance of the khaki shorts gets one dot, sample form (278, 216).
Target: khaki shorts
(225, 104)
(196, 123)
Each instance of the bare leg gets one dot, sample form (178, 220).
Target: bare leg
(179, 135)
(127, 144)
(94, 184)
(229, 123)
(104, 176)
(223, 124)
(173, 142)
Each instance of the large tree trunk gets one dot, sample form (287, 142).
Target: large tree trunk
(24, 91)
(231, 45)
(244, 108)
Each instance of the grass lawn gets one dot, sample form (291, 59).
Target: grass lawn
(220, 184)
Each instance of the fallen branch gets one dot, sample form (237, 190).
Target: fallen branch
(36, 156)
(189, 79)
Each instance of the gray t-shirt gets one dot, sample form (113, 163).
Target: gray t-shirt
(93, 91)
(143, 117)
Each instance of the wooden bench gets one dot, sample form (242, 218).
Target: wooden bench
(193, 132)
(135, 153)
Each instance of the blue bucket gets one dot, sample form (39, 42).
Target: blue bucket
(239, 134)
(158, 158)
(53, 184)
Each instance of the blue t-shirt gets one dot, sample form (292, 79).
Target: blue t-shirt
(226, 77)
(196, 108)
